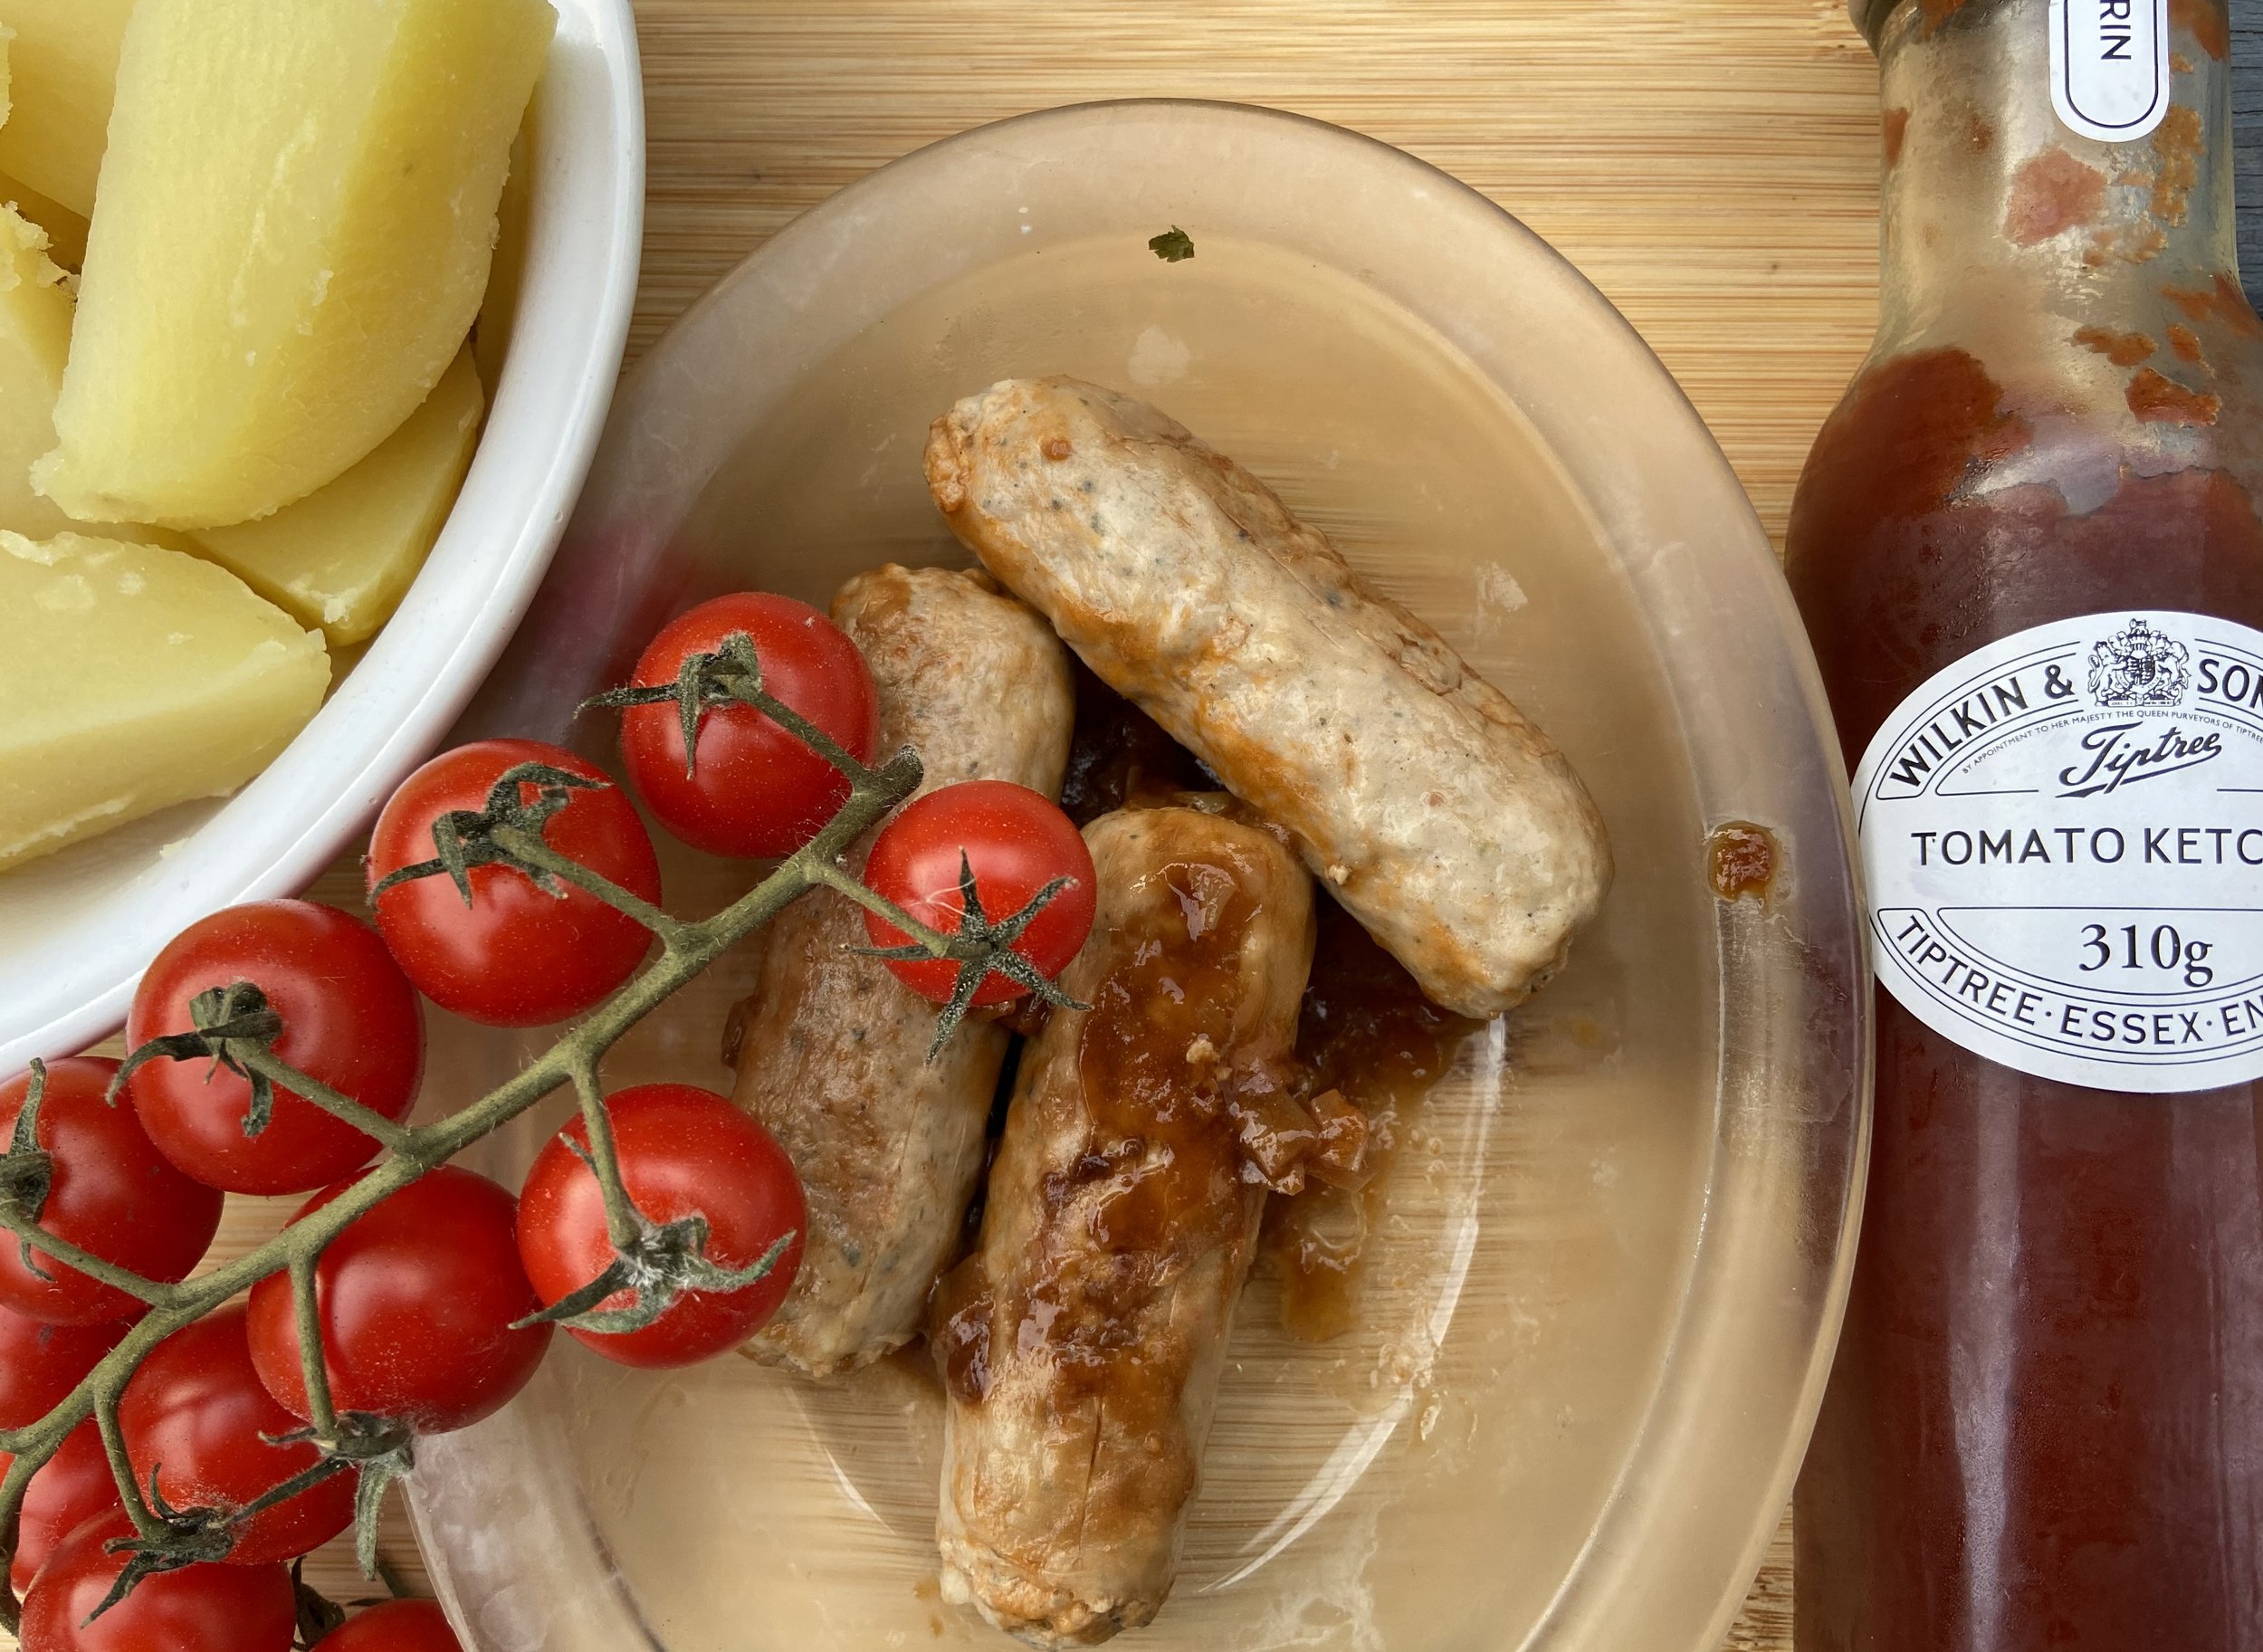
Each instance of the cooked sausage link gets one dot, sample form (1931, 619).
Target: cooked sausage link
(832, 1048)
(1081, 1344)
(1442, 818)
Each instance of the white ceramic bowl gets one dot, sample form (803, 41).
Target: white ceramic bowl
(77, 928)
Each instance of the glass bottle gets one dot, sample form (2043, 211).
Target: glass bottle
(2026, 548)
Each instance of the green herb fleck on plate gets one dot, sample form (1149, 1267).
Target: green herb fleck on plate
(1173, 244)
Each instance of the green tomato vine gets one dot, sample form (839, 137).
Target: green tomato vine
(236, 1029)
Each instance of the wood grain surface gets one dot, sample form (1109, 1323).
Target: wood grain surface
(1710, 164)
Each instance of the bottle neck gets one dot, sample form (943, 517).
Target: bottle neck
(1990, 200)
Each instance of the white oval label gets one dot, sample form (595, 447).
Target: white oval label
(2110, 66)
(2063, 839)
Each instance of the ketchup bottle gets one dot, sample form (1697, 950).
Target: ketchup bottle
(2027, 551)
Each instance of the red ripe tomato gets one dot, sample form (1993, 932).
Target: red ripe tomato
(198, 1609)
(1017, 841)
(397, 1625)
(39, 1364)
(349, 1019)
(682, 1150)
(515, 957)
(113, 1194)
(418, 1297)
(70, 1488)
(196, 1415)
(755, 790)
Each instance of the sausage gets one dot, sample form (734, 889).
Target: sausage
(1442, 818)
(1081, 1344)
(832, 1049)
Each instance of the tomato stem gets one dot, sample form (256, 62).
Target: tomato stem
(27, 1229)
(263, 1061)
(623, 1223)
(306, 1305)
(121, 1466)
(534, 851)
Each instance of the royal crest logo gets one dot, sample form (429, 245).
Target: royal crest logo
(2139, 666)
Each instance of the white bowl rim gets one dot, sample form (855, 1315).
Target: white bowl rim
(69, 986)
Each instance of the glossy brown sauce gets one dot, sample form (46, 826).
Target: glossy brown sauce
(1742, 860)
(1119, 755)
(1369, 1036)
(1190, 1117)
(2043, 1433)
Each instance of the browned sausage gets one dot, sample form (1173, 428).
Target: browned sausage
(832, 1049)
(1082, 1343)
(1442, 818)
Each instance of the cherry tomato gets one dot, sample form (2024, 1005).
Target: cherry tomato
(397, 1625)
(196, 1415)
(113, 1194)
(349, 1019)
(198, 1609)
(418, 1297)
(70, 1488)
(39, 1364)
(755, 790)
(1017, 841)
(515, 957)
(682, 1150)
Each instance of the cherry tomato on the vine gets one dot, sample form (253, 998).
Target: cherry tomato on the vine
(517, 955)
(396, 1625)
(681, 1150)
(418, 1298)
(1016, 841)
(196, 1416)
(756, 790)
(70, 1488)
(198, 1609)
(41, 1363)
(349, 1019)
(113, 1194)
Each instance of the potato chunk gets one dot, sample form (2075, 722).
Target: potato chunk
(297, 216)
(132, 678)
(66, 231)
(35, 338)
(343, 558)
(64, 61)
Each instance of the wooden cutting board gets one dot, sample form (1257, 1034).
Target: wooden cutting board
(1710, 164)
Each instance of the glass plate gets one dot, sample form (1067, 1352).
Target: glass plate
(1600, 1310)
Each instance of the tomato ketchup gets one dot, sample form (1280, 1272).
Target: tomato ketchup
(2026, 548)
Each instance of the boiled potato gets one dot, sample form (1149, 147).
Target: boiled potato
(343, 558)
(65, 62)
(132, 678)
(297, 213)
(66, 231)
(35, 338)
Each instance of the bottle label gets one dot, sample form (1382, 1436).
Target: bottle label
(2110, 66)
(2062, 835)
